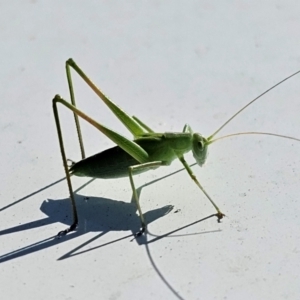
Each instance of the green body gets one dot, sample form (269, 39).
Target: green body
(147, 150)
(115, 162)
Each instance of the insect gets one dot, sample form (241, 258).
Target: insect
(147, 151)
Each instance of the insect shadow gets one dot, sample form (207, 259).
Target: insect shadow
(101, 214)
(96, 214)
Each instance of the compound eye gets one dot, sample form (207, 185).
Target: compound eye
(200, 145)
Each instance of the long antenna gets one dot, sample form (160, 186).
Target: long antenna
(254, 132)
(268, 90)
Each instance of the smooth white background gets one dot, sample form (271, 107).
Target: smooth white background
(169, 63)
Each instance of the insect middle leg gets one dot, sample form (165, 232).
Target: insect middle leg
(132, 169)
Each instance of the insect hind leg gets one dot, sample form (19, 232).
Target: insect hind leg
(72, 96)
(68, 176)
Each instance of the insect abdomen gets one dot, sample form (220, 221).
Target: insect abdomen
(111, 163)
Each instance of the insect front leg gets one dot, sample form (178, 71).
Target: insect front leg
(132, 169)
(219, 214)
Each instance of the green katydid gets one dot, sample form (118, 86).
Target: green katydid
(148, 150)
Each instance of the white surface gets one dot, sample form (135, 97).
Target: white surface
(168, 62)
